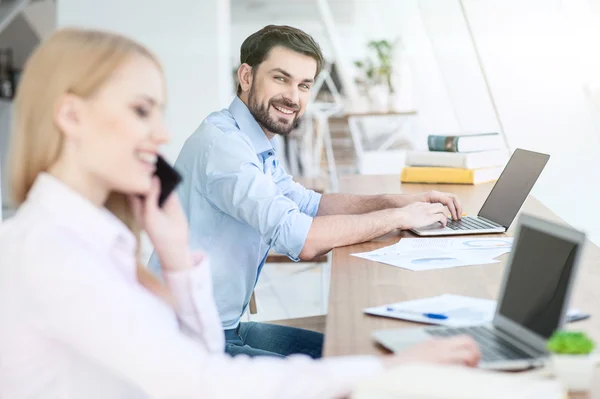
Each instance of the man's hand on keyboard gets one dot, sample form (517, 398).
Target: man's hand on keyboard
(450, 201)
(420, 214)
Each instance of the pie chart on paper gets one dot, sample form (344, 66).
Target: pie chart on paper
(491, 243)
(432, 261)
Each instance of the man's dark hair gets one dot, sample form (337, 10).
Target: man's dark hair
(256, 47)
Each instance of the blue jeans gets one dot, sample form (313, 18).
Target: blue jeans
(262, 339)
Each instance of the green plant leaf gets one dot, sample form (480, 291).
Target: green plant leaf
(570, 343)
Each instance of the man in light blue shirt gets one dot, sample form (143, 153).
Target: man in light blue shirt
(241, 203)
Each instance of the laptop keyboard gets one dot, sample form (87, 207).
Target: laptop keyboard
(469, 223)
(492, 346)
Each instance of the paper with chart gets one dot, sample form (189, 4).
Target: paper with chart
(420, 254)
(470, 244)
(460, 310)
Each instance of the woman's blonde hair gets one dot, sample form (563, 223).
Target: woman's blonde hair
(76, 61)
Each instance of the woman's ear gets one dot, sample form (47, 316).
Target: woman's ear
(67, 115)
(245, 77)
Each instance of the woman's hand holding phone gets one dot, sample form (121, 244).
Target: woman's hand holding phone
(166, 226)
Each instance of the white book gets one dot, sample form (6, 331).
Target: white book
(471, 160)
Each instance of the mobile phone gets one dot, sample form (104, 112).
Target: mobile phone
(169, 179)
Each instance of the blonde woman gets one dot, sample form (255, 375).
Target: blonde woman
(79, 318)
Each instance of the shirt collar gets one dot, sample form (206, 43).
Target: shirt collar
(249, 126)
(97, 226)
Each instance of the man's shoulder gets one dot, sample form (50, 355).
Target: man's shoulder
(222, 121)
(219, 129)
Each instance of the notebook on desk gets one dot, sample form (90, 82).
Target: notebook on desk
(504, 201)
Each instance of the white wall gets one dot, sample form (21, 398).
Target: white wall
(535, 72)
(435, 108)
(538, 66)
(190, 37)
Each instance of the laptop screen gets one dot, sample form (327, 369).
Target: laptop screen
(513, 186)
(539, 277)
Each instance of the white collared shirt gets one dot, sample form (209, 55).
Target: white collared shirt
(75, 323)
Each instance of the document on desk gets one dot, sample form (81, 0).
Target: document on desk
(458, 310)
(418, 254)
(458, 243)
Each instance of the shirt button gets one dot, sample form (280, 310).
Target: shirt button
(270, 153)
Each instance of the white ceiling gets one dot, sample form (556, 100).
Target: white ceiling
(301, 10)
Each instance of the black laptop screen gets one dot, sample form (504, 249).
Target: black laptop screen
(513, 186)
(538, 281)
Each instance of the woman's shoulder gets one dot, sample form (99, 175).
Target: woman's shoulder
(28, 240)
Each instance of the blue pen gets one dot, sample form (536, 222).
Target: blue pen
(435, 316)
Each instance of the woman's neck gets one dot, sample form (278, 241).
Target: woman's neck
(80, 181)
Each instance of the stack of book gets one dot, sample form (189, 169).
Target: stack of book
(457, 159)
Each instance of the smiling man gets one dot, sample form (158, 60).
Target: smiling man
(241, 203)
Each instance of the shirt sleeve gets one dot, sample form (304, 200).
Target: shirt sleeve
(195, 306)
(234, 182)
(307, 200)
(91, 312)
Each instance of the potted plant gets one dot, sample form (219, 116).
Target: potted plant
(572, 359)
(377, 72)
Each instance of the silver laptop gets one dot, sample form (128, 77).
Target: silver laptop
(532, 304)
(504, 201)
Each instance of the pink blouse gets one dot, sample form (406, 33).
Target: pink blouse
(75, 323)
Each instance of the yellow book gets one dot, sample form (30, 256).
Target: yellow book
(418, 174)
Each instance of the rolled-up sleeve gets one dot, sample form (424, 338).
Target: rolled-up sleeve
(312, 204)
(307, 200)
(236, 184)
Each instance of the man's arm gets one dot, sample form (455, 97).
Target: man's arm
(348, 204)
(234, 183)
(314, 204)
(232, 179)
(328, 232)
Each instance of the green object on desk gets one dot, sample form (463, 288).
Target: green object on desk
(570, 343)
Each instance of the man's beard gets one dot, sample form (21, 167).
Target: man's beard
(261, 114)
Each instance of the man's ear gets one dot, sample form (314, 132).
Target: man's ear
(67, 114)
(245, 77)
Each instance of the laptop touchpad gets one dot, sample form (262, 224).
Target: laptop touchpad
(435, 226)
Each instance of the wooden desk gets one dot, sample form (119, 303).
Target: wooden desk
(358, 283)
